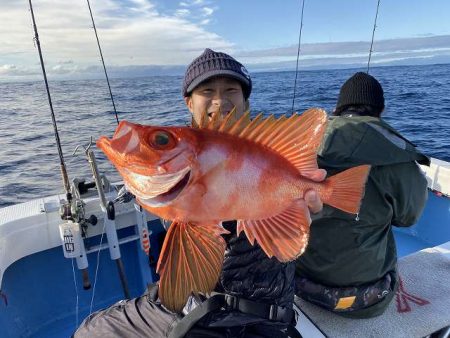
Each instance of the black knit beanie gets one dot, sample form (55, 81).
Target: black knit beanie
(361, 88)
(212, 63)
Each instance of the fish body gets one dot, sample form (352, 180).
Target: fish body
(227, 169)
(232, 179)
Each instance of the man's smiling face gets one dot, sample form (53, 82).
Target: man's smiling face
(216, 94)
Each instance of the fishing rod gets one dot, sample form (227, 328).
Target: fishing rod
(55, 127)
(298, 55)
(109, 223)
(373, 35)
(107, 206)
(103, 62)
(70, 231)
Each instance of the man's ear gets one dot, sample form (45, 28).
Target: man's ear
(188, 101)
(246, 105)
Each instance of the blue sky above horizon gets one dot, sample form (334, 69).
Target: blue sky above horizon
(140, 36)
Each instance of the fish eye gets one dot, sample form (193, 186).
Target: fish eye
(161, 139)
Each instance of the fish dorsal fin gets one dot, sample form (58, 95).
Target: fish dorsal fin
(284, 236)
(190, 262)
(239, 125)
(229, 124)
(296, 138)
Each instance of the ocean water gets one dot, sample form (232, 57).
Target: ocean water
(417, 104)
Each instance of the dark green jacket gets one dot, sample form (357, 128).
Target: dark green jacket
(347, 250)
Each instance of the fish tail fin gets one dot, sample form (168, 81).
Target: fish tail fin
(346, 189)
(190, 262)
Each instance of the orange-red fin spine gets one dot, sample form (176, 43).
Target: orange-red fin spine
(228, 121)
(190, 262)
(239, 125)
(345, 190)
(296, 138)
(272, 129)
(300, 138)
(204, 120)
(284, 236)
(215, 121)
(251, 126)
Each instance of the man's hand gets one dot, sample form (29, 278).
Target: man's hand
(312, 198)
(313, 201)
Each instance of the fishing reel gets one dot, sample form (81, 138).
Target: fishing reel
(76, 209)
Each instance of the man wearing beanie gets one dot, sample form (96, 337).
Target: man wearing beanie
(255, 293)
(349, 266)
(215, 81)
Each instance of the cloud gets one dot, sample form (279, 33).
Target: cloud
(137, 38)
(198, 11)
(207, 11)
(352, 47)
(346, 53)
(131, 32)
(10, 70)
(182, 12)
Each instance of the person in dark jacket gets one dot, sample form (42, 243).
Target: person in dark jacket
(349, 266)
(255, 293)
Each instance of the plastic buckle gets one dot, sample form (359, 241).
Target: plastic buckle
(273, 312)
(232, 302)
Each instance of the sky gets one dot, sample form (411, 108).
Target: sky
(145, 37)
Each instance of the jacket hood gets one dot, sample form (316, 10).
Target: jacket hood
(356, 140)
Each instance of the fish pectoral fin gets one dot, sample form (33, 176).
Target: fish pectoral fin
(284, 236)
(190, 262)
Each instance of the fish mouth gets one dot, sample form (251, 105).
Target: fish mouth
(171, 195)
(158, 190)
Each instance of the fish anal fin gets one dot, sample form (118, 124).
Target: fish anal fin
(284, 236)
(190, 262)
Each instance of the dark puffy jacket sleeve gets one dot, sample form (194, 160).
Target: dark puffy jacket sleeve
(248, 272)
(407, 192)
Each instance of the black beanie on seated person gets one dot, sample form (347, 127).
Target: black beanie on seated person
(361, 89)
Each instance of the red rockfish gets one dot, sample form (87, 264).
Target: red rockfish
(227, 168)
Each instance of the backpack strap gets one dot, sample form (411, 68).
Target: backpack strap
(184, 325)
(271, 312)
